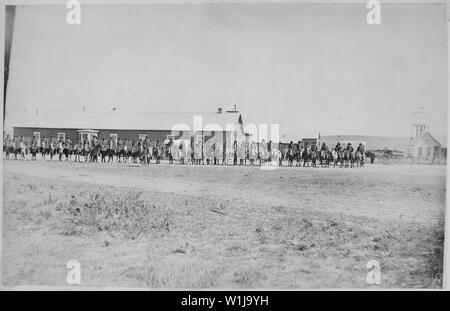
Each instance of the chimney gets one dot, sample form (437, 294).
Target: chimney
(219, 110)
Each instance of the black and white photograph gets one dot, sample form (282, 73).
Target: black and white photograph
(224, 145)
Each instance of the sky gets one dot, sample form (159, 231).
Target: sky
(311, 68)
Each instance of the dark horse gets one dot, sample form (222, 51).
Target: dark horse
(135, 153)
(306, 156)
(93, 152)
(314, 156)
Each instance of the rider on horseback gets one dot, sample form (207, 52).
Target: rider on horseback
(360, 148)
(350, 148)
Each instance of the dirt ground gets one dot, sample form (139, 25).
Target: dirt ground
(222, 227)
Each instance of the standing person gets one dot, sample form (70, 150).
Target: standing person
(192, 149)
(103, 149)
(181, 152)
(134, 152)
(298, 153)
(33, 148)
(4, 142)
(78, 150)
(126, 150)
(52, 146)
(314, 151)
(86, 149)
(94, 148)
(235, 152)
(290, 153)
(110, 151)
(46, 147)
(23, 147)
(306, 154)
(151, 151)
(274, 153)
(60, 148)
(241, 153)
(169, 150)
(198, 152)
(68, 149)
(323, 153)
(158, 151)
(16, 146)
(119, 150)
(43, 147)
(252, 153)
(7, 145)
(262, 152)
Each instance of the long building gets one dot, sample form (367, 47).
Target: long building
(162, 126)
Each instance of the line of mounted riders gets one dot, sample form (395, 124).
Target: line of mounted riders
(143, 150)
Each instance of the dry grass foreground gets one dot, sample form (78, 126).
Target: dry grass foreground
(222, 227)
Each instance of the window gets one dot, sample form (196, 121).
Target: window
(61, 135)
(428, 151)
(419, 151)
(114, 136)
(37, 135)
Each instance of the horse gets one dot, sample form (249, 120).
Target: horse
(306, 156)
(126, 152)
(33, 151)
(110, 153)
(335, 157)
(135, 153)
(326, 158)
(8, 150)
(347, 158)
(323, 157)
(78, 151)
(359, 159)
(93, 152)
(145, 153)
(290, 156)
(103, 151)
(86, 151)
(298, 156)
(68, 151)
(314, 156)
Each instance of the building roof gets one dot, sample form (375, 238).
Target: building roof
(372, 142)
(129, 121)
(441, 137)
(438, 138)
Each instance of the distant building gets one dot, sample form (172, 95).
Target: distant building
(427, 148)
(370, 142)
(309, 141)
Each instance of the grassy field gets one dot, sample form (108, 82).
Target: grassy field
(222, 227)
